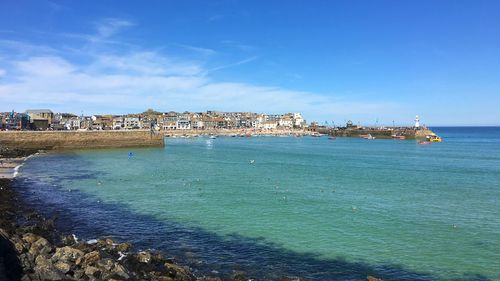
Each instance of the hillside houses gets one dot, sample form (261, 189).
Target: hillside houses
(44, 119)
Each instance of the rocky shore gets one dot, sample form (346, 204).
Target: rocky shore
(31, 248)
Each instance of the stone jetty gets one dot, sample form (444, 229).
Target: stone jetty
(47, 140)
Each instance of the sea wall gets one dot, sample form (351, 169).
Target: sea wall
(79, 139)
(409, 133)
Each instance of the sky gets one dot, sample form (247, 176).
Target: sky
(372, 62)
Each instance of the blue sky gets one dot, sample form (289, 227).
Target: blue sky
(330, 60)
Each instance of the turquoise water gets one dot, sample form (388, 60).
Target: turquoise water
(329, 210)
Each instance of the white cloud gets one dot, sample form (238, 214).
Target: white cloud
(244, 61)
(56, 82)
(110, 26)
(45, 66)
(144, 63)
(200, 50)
(99, 79)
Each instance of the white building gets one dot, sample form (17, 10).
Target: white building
(132, 122)
(286, 122)
(118, 123)
(72, 123)
(183, 123)
(298, 120)
(269, 125)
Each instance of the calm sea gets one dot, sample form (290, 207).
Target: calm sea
(273, 206)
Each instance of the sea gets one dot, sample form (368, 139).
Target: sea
(314, 207)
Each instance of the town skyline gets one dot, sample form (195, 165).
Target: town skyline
(149, 111)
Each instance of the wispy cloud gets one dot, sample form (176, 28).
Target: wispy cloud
(110, 26)
(244, 61)
(118, 80)
(200, 50)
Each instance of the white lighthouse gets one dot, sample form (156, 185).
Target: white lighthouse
(417, 122)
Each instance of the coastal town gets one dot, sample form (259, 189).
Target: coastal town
(46, 119)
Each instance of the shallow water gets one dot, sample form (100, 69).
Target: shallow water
(328, 210)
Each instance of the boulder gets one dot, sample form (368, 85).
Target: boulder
(177, 272)
(105, 243)
(144, 257)
(92, 272)
(90, 258)
(62, 266)
(121, 271)
(105, 264)
(27, 260)
(68, 240)
(67, 254)
(40, 246)
(45, 270)
(19, 247)
(78, 274)
(123, 247)
(30, 238)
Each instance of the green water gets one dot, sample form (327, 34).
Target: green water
(432, 209)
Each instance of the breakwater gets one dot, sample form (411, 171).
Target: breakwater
(408, 133)
(79, 139)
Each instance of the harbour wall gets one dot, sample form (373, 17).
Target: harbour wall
(48, 140)
(409, 133)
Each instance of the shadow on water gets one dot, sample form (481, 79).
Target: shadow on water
(204, 251)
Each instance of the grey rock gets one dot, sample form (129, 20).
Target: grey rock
(39, 245)
(92, 271)
(121, 271)
(67, 254)
(105, 264)
(45, 270)
(178, 272)
(78, 274)
(123, 247)
(30, 237)
(90, 258)
(62, 266)
(144, 257)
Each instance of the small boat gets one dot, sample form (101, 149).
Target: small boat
(332, 138)
(424, 142)
(368, 137)
(212, 137)
(434, 138)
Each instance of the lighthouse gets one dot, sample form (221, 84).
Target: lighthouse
(417, 122)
